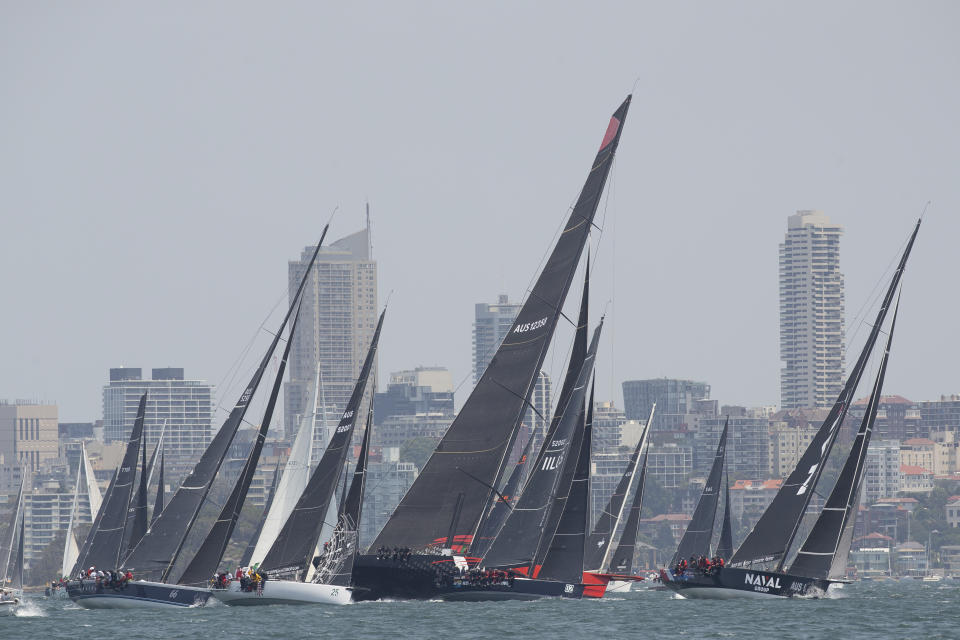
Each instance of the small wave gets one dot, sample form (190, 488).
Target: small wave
(28, 609)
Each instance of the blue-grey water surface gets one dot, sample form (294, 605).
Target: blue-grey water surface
(869, 610)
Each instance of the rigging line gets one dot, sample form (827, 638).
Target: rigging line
(488, 486)
(517, 395)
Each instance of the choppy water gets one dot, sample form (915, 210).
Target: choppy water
(871, 610)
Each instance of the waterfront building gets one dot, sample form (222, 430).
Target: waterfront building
(915, 479)
(911, 559)
(182, 408)
(882, 473)
(28, 434)
(952, 511)
(46, 512)
(338, 317)
(811, 312)
(871, 562)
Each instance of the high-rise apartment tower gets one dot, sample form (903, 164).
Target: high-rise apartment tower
(811, 312)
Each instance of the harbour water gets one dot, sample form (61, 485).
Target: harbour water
(868, 610)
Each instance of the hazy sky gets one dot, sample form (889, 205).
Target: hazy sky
(161, 162)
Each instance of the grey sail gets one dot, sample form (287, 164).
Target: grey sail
(160, 547)
(725, 544)
(523, 536)
(564, 558)
(471, 458)
(137, 514)
(158, 501)
(503, 503)
(829, 539)
(292, 552)
(772, 536)
(696, 539)
(207, 558)
(106, 541)
(252, 544)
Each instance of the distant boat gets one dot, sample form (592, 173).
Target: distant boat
(822, 558)
(11, 597)
(437, 521)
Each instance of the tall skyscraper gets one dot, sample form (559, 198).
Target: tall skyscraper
(676, 400)
(184, 406)
(337, 320)
(811, 312)
(491, 323)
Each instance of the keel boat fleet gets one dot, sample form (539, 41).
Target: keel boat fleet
(477, 524)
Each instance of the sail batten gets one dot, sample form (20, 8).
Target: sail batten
(486, 426)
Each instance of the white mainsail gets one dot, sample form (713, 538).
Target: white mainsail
(70, 549)
(93, 491)
(296, 474)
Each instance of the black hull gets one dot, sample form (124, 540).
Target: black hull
(729, 583)
(434, 577)
(135, 594)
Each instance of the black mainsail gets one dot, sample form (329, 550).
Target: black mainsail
(158, 502)
(773, 535)
(696, 539)
(725, 544)
(622, 559)
(292, 551)
(137, 517)
(523, 536)
(106, 541)
(564, 558)
(824, 553)
(208, 556)
(161, 545)
(456, 484)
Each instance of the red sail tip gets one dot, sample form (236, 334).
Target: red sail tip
(611, 133)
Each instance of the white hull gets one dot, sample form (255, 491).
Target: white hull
(8, 607)
(284, 592)
(618, 586)
(711, 593)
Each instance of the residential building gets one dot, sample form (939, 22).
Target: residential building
(882, 474)
(608, 421)
(915, 479)
(678, 523)
(607, 469)
(952, 511)
(338, 317)
(897, 418)
(28, 434)
(424, 390)
(787, 444)
(942, 415)
(670, 464)
(179, 407)
(871, 562)
(811, 312)
(46, 512)
(749, 498)
(950, 558)
(911, 559)
(676, 400)
(397, 429)
(748, 444)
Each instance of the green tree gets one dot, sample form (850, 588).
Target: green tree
(664, 541)
(418, 450)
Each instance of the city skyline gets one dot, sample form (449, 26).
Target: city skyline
(180, 230)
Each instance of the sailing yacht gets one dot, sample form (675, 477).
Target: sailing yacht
(10, 597)
(290, 558)
(153, 558)
(440, 516)
(822, 559)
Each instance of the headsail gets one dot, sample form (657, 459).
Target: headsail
(208, 556)
(248, 552)
(564, 557)
(773, 534)
(137, 514)
(292, 552)
(160, 547)
(622, 559)
(296, 474)
(6, 550)
(523, 537)
(472, 455)
(824, 554)
(93, 491)
(503, 504)
(70, 549)
(158, 502)
(696, 539)
(725, 544)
